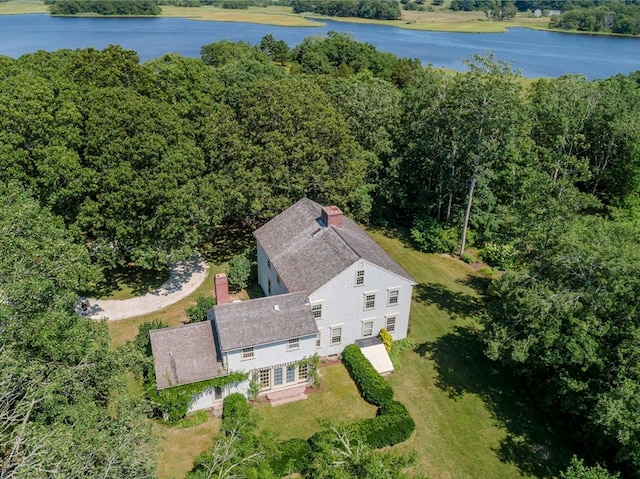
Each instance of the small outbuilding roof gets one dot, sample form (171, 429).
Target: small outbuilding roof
(185, 354)
(263, 321)
(307, 253)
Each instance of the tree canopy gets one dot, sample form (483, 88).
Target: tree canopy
(108, 162)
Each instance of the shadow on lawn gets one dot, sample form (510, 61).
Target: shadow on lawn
(464, 369)
(458, 304)
(140, 281)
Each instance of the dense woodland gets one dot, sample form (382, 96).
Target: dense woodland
(375, 9)
(102, 7)
(108, 162)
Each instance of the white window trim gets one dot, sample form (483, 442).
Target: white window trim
(332, 327)
(248, 355)
(295, 348)
(389, 291)
(319, 338)
(364, 300)
(386, 321)
(321, 304)
(355, 283)
(367, 321)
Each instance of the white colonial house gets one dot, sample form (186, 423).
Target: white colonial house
(327, 284)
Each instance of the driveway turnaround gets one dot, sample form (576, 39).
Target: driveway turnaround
(184, 279)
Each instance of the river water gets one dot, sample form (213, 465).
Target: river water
(534, 53)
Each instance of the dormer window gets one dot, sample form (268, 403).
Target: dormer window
(360, 277)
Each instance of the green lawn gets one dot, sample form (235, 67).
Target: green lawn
(126, 283)
(337, 400)
(472, 421)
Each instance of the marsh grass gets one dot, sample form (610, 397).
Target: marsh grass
(22, 7)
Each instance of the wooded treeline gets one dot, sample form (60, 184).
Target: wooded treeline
(108, 162)
(104, 7)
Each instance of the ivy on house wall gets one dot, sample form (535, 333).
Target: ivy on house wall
(173, 403)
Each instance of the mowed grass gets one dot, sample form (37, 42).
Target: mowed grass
(472, 418)
(181, 446)
(337, 400)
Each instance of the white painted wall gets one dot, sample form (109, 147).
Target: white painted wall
(266, 355)
(343, 304)
(266, 274)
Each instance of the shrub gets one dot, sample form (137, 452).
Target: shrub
(198, 312)
(430, 236)
(467, 258)
(386, 339)
(293, 455)
(235, 411)
(142, 341)
(500, 256)
(373, 388)
(391, 426)
(239, 271)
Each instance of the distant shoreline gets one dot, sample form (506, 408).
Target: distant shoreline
(437, 21)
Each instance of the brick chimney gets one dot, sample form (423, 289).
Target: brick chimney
(222, 288)
(332, 216)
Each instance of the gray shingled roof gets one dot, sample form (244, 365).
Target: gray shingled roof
(263, 321)
(307, 254)
(185, 354)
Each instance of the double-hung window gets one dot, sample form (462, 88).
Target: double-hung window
(390, 323)
(359, 277)
(369, 301)
(367, 328)
(393, 296)
(316, 309)
(336, 335)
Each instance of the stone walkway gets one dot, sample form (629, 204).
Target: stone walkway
(184, 279)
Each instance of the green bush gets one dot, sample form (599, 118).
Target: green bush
(501, 256)
(198, 312)
(373, 388)
(430, 236)
(467, 258)
(239, 271)
(391, 426)
(234, 412)
(293, 455)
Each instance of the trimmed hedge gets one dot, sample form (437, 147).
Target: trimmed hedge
(373, 388)
(392, 425)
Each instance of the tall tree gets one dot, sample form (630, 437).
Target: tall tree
(570, 326)
(57, 374)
